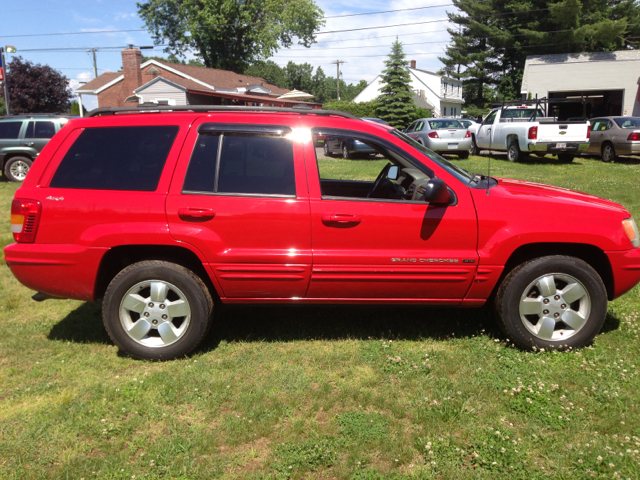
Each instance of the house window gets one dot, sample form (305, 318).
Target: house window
(444, 111)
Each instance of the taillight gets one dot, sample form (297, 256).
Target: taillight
(433, 135)
(468, 134)
(533, 133)
(634, 137)
(588, 132)
(25, 216)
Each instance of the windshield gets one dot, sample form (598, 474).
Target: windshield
(520, 113)
(436, 124)
(454, 170)
(628, 122)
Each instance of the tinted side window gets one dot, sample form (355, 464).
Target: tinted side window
(201, 174)
(116, 158)
(256, 165)
(9, 130)
(42, 130)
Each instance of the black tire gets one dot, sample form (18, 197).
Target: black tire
(566, 157)
(16, 168)
(473, 150)
(463, 155)
(345, 152)
(327, 153)
(183, 284)
(516, 286)
(514, 154)
(608, 152)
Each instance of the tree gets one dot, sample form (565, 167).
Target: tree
(75, 109)
(36, 88)
(231, 34)
(269, 71)
(490, 40)
(173, 59)
(395, 104)
(3, 107)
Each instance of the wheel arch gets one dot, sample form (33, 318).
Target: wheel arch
(9, 155)
(117, 258)
(590, 254)
(510, 138)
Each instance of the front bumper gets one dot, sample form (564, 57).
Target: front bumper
(626, 270)
(569, 147)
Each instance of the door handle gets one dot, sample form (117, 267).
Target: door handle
(196, 213)
(341, 218)
(30, 144)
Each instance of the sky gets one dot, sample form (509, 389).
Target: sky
(84, 25)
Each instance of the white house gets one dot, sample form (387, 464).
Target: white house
(607, 80)
(442, 95)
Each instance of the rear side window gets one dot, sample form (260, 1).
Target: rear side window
(245, 164)
(116, 158)
(10, 130)
(40, 130)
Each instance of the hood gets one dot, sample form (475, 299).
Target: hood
(539, 191)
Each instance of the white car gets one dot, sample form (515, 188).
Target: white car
(521, 130)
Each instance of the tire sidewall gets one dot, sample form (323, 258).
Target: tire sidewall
(326, 149)
(510, 292)
(515, 156)
(473, 150)
(194, 290)
(11, 161)
(345, 152)
(613, 153)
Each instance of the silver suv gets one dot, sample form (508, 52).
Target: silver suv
(22, 137)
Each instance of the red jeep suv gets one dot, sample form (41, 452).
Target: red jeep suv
(159, 212)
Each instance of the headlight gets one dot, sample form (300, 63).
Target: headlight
(631, 229)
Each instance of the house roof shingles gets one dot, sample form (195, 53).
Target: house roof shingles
(99, 82)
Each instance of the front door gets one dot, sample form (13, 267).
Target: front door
(483, 137)
(239, 196)
(374, 248)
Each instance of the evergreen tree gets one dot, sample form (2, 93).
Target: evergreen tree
(395, 104)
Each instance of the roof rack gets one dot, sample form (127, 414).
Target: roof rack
(36, 115)
(146, 108)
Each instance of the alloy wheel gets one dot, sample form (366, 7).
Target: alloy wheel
(555, 306)
(19, 170)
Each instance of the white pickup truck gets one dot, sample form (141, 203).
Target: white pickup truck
(521, 130)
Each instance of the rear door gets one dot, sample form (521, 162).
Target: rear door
(239, 196)
(38, 134)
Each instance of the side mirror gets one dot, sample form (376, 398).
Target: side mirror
(436, 192)
(393, 173)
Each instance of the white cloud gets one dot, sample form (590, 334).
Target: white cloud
(366, 60)
(125, 16)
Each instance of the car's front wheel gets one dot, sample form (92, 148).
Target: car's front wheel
(551, 302)
(473, 149)
(157, 310)
(345, 152)
(16, 168)
(327, 153)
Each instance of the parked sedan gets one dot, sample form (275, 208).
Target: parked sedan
(348, 147)
(613, 136)
(467, 122)
(442, 135)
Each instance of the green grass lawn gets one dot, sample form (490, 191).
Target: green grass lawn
(324, 392)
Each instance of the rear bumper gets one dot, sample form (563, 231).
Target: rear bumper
(626, 270)
(361, 148)
(570, 147)
(65, 271)
(627, 148)
(444, 145)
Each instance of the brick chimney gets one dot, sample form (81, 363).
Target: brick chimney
(413, 64)
(131, 58)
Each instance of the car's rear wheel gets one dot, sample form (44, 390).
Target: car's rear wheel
(327, 153)
(157, 310)
(474, 150)
(608, 153)
(551, 302)
(514, 154)
(16, 168)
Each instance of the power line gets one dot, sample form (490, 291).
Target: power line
(317, 33)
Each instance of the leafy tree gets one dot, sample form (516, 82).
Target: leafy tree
(231, 34)
(3, 107)
(270, 71)
(36, 88)
(299, 77)
(370, 109)
(395, 103)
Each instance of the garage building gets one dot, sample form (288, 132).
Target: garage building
(607, 80)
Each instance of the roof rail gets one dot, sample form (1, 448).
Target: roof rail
(146, 108)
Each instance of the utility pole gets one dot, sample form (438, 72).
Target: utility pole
(337, 63)
(93, 51)
(3, 69)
